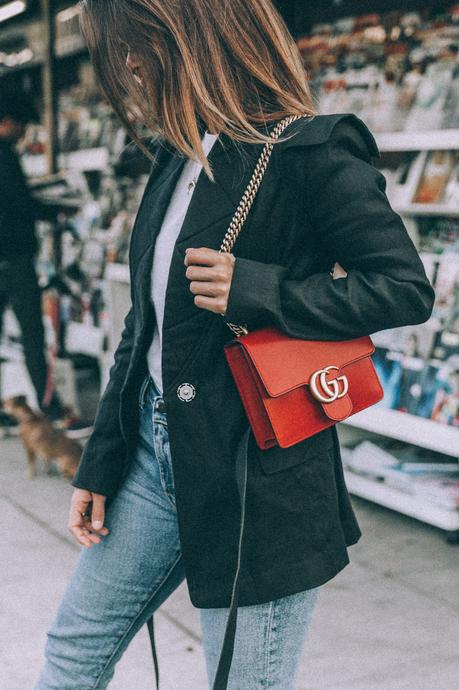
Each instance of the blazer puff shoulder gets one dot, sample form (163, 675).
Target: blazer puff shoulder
(340, 198)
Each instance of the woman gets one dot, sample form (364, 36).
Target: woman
(156, 499)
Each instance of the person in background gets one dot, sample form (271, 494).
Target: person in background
(18, 246)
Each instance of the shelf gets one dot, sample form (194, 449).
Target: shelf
(428, 210)
(35, 166)
(406, 427)
(64, 49)
(86, 159)
(413, 506)
(118, 273)
(418, 141)
(83, 160)
(84, 339)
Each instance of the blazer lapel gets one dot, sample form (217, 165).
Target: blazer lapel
(211, 208)
(154, 204)
(150, 218)
(213, 202)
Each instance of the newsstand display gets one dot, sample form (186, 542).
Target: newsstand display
(399, 72)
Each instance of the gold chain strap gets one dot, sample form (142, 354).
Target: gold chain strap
(248, 198)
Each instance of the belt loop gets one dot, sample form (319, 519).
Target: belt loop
(143, 390)
(160, 405)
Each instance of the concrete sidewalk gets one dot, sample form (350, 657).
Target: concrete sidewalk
(389, 621)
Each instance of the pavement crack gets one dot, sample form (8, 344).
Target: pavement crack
(68, 541)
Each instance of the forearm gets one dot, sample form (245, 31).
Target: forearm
(320, 308)
(102, 461)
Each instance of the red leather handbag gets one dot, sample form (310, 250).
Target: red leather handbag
(290, 389)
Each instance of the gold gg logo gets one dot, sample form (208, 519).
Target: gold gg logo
(328, 391)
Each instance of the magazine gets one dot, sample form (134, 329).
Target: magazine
(427, 111)
(435, 177)
(451, 112)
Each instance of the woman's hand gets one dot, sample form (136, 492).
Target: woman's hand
(86, 517)
(210, 273)
(339, 271)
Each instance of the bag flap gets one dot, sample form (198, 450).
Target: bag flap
(284, 363)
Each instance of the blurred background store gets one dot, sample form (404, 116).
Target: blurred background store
(395, 63)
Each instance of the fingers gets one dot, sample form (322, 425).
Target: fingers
(210, 274)
(80, 515)
(203, 255)
(81, 530)
(218, 273)
(217, 305)
(209, 289)
(200, 272)
(98, 511)
(339, 271)
(211, 296)
(78, 526)
(208, 257)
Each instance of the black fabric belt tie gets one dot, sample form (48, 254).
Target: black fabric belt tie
(160, 405)
(226, 656)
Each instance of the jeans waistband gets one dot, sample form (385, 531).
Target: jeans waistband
(148, 391)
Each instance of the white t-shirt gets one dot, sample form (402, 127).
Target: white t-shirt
(164, 248)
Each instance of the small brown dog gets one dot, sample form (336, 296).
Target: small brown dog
(41, 439)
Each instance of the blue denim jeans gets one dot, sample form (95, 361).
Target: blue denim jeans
(118, 583)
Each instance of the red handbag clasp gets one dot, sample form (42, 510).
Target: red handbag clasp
(331, 393)
(328, 391)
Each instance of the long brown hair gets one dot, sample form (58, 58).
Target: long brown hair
(231, 64)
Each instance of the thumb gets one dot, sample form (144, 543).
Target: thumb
(98, 511)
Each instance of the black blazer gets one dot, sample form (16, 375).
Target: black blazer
(321, 201)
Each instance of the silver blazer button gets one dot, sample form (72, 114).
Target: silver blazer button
(186, 392)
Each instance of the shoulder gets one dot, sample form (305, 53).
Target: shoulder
(329, 156)
(342, 130)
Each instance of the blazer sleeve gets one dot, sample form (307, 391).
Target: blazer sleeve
(345, 206)
(103, 459)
